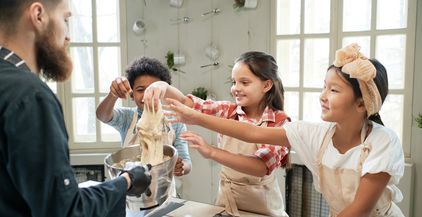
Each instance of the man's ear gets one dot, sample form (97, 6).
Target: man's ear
(268, 85)
(38, 16)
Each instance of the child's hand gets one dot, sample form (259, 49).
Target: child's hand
(179, 169)
(153, 93)
(120, 88)
(180, 112)
(198, 143)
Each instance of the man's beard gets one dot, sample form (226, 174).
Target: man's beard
(54, 61)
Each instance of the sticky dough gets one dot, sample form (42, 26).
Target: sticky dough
(152, 135)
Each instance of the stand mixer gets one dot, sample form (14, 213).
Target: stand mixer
(161, 182)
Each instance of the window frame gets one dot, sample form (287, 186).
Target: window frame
(64, 90)
(336, 36)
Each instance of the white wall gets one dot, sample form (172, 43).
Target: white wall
(233, 32)
(228, 30)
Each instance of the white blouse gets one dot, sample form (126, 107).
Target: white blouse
(386, 154)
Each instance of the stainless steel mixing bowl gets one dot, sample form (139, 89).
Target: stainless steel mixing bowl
(162, 176)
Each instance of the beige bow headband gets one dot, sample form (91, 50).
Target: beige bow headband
(358, 66)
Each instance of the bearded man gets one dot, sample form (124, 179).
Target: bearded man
(35, 173)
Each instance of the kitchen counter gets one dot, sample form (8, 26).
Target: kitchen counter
(175, 207)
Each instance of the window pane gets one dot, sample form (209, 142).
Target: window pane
(109, 66)
(108, 21)
(288, 55)
(84, 119)
(108, 133)
(316, 61)
(311, 106)
(363, 41)
(291, 105)
(288, 17)
(83, 70)
(393, 104)
(356, 15)
(392, 14)
(317, 16)
(81, 21)
(391, 52)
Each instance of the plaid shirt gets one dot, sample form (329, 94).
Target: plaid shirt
(272, 155)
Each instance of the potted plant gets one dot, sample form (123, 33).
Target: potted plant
(419, 120)
(200, 92)
(170, 60)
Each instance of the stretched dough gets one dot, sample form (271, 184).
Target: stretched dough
(152, 134)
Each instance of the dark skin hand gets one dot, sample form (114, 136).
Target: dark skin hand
(179, 169)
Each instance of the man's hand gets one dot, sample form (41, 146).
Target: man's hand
(140, 180)
(120, 88)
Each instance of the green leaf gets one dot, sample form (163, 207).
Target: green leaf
(200, 92)
(170, 59)
(419, 120)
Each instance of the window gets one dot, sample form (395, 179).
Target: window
(308, 32)
(97, 51)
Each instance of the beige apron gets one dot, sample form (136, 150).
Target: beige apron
(133, 139)
(339, 186)
(239, 191)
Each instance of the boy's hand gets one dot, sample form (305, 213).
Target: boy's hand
(179, 169)
(120, 88)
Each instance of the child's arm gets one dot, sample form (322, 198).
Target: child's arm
(119, 88)
(369, 191)
(251, 165)
(233, 128)
(160, 90)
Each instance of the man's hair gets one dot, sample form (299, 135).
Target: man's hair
(11, 11)
(147, 66)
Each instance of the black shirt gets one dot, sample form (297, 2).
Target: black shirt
(36, 178)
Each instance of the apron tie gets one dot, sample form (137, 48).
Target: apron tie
(231, 206)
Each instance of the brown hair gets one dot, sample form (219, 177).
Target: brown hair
(265, 67)
(11, 11)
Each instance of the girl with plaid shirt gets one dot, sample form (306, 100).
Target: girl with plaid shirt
(246, 178)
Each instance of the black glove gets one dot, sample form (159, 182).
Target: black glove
(140, 178)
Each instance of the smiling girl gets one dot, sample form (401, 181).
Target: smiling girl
(247, 181)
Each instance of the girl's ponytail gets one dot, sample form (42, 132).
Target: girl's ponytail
(376, 118)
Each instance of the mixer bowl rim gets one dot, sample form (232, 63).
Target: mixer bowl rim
(132, 146)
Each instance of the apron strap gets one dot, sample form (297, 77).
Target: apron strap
(366, 146)
(230, 205)
(325, 142)
(131, 134)
(363, 135)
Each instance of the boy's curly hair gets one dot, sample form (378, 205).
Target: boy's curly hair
(147, 66)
